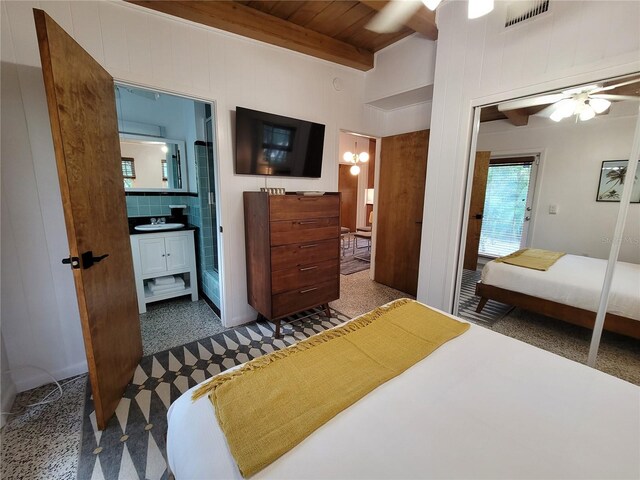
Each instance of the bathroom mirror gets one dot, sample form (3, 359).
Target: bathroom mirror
(152, 164)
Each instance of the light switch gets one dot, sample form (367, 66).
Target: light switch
(553, 209)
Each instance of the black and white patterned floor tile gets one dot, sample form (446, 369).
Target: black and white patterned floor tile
(492, 311)
(133, 444)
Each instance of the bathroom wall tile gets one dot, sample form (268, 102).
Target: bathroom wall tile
(132, 211)
(144, 201)
(155, 200)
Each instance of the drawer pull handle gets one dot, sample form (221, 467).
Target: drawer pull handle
(307, 222)
(308, 268)
(309, 246)
(308, 290)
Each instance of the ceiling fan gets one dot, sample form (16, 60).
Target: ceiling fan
(396, 12)
(583, 102)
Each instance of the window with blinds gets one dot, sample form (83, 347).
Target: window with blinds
(504, 208)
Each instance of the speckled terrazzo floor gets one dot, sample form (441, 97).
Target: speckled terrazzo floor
(359, 294)
(618, 356)
(43, 442)
(172, 323)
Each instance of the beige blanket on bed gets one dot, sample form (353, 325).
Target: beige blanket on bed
(532, 258)
(274, 402)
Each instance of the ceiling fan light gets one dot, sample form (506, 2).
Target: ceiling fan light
(431, 4)
(348, 157)
(599, 105)
(566, 107)
(557, 116)
(355, 170)
(478, 8)
(363, 157)
(587, 113)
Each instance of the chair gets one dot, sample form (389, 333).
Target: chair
(345, 237)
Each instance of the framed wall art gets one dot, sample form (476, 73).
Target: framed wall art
(612, 179)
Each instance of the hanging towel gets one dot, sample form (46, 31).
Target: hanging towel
(168, 280)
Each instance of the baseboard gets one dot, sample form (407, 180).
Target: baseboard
(209, 302)
(33, 378)
(8, 397)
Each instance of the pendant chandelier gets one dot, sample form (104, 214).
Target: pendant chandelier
(355, 158)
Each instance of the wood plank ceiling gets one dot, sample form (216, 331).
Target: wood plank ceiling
(331, 30)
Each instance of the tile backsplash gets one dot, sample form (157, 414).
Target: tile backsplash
(150, 205)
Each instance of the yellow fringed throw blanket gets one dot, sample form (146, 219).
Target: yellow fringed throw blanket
(532, 258)
(274, 402)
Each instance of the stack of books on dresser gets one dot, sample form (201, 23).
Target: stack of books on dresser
(167, 284)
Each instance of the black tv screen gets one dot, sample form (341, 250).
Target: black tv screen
(268, 144)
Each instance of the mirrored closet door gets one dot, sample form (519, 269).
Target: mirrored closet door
(544, 189)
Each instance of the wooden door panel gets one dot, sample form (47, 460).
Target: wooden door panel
(348, 187)
(82, 112)
(476, 210)
(400, 200)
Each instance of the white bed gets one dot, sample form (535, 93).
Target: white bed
(573, 280)
(481, 406)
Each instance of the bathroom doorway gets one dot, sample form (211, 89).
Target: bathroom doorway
(169, 167)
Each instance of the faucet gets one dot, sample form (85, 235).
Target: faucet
(154, 221)
(162, 220)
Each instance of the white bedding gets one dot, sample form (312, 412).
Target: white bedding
(483, 406)
(573, 280)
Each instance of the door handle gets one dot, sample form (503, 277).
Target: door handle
(478, 216)
(527, 218)
(88, 259)
(73, 261)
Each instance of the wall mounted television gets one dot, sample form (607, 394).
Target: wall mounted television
(268, 144)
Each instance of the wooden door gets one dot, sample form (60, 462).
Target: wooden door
(348, 186)
(82, 111)
(400, 200)
(476, 210)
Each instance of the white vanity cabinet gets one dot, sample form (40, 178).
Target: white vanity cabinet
(160, 254)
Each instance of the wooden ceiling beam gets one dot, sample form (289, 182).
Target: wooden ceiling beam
(518, 117)
(423, 21)
(249, 22)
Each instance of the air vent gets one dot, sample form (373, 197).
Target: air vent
(523, 10)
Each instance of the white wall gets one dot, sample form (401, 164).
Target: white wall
(39, 312)
(405, 66)
(479, 62)
(402, 66)
(568, 176)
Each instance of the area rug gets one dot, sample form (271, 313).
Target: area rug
(353, 263)
(492, 311)
(133, 444)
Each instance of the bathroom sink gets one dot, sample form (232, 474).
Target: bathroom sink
(159, 226)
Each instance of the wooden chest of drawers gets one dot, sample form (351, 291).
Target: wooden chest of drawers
(293, 252)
